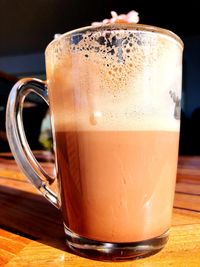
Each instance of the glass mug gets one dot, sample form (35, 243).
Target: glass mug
(114, 95)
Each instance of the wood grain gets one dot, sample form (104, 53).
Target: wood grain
(177, 253)
(31, 230)
(10, 246)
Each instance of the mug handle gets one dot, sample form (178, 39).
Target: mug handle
(17, 139)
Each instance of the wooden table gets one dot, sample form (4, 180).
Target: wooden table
(31, 231)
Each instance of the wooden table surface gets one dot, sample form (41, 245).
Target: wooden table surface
(31, 230)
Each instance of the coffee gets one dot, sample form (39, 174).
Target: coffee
(116, 135)
(111, 181)
(114, 94)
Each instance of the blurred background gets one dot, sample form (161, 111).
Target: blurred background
(26, 27)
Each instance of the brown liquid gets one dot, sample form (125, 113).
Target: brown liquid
(112, 101)
(117, 186)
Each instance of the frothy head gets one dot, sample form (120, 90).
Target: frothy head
(118, 78)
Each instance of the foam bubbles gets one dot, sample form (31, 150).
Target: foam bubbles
(121, 80)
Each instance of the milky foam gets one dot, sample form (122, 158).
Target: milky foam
(121, 80)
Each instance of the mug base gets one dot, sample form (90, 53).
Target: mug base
(106, 251)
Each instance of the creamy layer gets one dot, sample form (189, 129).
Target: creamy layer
(120, 80)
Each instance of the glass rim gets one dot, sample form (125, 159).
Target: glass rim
(121, 26)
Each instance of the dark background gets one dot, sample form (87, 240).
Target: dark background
(26, 27)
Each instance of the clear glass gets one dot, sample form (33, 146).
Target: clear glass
(114, 93)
